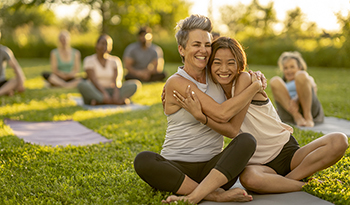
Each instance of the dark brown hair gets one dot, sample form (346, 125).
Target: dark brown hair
(236, 49)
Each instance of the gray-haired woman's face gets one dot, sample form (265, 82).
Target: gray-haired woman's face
(290, 68)
(198, 49)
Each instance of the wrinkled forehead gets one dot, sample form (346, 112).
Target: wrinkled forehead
(199, 35)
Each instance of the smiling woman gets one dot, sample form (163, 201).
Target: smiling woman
(200, 147)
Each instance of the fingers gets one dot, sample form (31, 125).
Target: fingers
(263, 81)
(254, 77)
(178, 96)
(188, 92)
(264, 94)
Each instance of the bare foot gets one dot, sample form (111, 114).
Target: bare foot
(11, 93)
(299, 119)
(236, 194)
(93, 102)
(309, 123)
(173, 198)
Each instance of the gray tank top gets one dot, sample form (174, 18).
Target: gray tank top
(187, 139)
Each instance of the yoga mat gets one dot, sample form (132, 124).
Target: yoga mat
(55, 133)
(291, 198)
(331, 124)
(131, 107)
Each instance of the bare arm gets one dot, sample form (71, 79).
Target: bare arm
(119, 73)
(77, 64)
(18, 71)
(128, 62)
(229, 129)
(218, 112)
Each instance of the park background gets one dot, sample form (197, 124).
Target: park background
(103, 173)
(30, 27)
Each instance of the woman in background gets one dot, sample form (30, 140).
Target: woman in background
(104, 77)
(296, 93)
(65, 64)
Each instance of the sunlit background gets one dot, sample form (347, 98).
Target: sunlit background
(322, 12)
(318, 29)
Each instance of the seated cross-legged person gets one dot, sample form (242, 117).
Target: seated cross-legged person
(104, 77)
(9, 86)
(65, 64)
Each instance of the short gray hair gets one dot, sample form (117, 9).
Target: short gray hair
(292, 55)
(195, 21)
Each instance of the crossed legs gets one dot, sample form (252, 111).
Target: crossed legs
(57, 81)
(11, 86)
(208, 190)
(199, 180)
(317, 155)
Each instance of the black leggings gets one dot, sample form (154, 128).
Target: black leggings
(168, 175)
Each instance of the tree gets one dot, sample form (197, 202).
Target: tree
(19, 14)
(253, 19)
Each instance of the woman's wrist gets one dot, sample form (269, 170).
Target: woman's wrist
(204, 119)
(258, 86)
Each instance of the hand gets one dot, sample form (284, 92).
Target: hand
(261, 80)
(293, 106)
(256, 80)
(106, 98)
(191, 103)
(260, 76)
(144, 74)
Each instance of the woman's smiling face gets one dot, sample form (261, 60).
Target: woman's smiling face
(224, 67)
(198, 49)
(290, 68)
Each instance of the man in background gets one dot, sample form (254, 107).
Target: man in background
(143, 59)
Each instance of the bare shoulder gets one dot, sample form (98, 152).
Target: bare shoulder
(8, 51)
(77, 52)
(244, 79)
(177, 82)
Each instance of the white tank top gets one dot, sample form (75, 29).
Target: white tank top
(186, 138)
(271, 134)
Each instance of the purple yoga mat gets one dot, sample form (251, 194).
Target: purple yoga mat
(55, 133)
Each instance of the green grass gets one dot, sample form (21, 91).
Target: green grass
(103, 173)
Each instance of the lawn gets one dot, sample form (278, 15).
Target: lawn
(103, 173)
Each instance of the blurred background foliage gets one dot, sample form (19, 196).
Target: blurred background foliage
(30, 28)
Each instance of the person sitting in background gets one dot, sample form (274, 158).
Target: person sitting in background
(215, 35)
(143, 59)
(295, 93)
(104, 77)
(9, 86)
(65, 64)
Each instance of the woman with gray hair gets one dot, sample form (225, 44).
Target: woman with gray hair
(295, 93)
(193, 161)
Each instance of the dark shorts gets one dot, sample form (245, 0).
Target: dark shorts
(3, 83)
(281, 164)
(46, 75)
(316, 111)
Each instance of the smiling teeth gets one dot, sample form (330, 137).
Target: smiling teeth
(202, 58)
(224, 76)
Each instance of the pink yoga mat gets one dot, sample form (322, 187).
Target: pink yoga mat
(55, 133)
